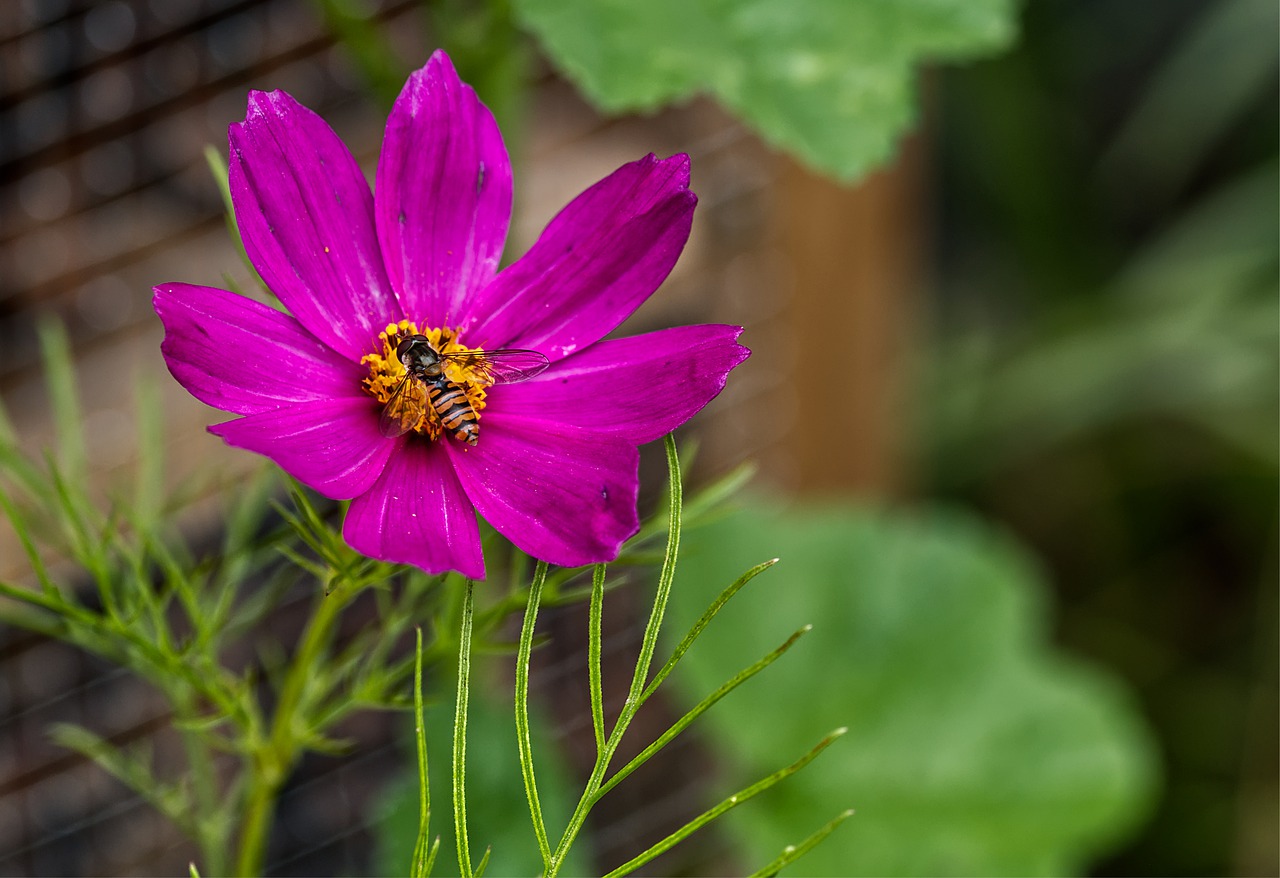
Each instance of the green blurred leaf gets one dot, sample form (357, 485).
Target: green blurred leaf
(973, 748)
(1220, 70)
(492, 56)
(64, 398)
(1187, 331)
(830, 81)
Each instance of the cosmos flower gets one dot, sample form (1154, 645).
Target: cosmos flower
(553, 462)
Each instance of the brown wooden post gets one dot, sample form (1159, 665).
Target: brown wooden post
(856, 257)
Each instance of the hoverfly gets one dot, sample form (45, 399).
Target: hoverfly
(426, 384)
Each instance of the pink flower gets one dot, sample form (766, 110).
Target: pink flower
(554, 466)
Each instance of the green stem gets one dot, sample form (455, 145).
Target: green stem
(591, 794)
(257, 819)
(523, 738)
(460, 735)
(594, 670)
(665, 577)
(424, 851)
(272, 758)
(211, 834)
(793, 852)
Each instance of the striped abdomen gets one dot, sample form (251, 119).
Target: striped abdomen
(456, 414)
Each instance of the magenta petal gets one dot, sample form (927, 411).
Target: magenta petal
(638, 388)
(306, 215)
(560, 493)
(333, 446)
(443, 194)
(240, 356)
(416, 513)
(596, 262)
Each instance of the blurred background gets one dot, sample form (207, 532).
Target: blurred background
(1053, 313)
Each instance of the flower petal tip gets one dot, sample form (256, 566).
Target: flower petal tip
(438, 74)
(743, 352)
(680, 165)
(259, 102)
(440, 63)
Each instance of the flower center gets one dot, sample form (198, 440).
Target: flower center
(425, 403)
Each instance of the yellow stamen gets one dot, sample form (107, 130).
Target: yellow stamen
(386, 372)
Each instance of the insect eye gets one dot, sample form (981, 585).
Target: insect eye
(405, 346)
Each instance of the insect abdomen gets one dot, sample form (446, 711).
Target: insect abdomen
(456, 414)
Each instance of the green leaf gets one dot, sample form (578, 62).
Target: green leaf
(793, 852)
(133, 768)
(724, 807)
(830, 81)
(218, 170)
(973, 747)
(1186, 333)
(700, 708)
(1151, 165)
(64, 398)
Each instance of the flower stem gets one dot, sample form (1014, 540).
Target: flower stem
(522, 711)
(594, 670)
(257, 819)
(211, 835)
(592, 793)
(423, 852)
(460, 736)
(273, 757)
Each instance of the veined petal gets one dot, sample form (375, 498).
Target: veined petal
(240, 356)
(443, 194)
(333, 446)
(638, 388)
(417, 513)
(560, 493)
(594, 264)
(306, 215)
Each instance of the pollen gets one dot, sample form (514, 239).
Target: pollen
(387, 374)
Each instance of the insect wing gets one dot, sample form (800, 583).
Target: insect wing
(405, 408)
(503, 366)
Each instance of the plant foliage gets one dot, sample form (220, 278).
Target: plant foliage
(973, 748)
(830, 81)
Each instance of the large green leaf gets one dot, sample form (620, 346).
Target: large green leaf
(973, 748)
(831, 81)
